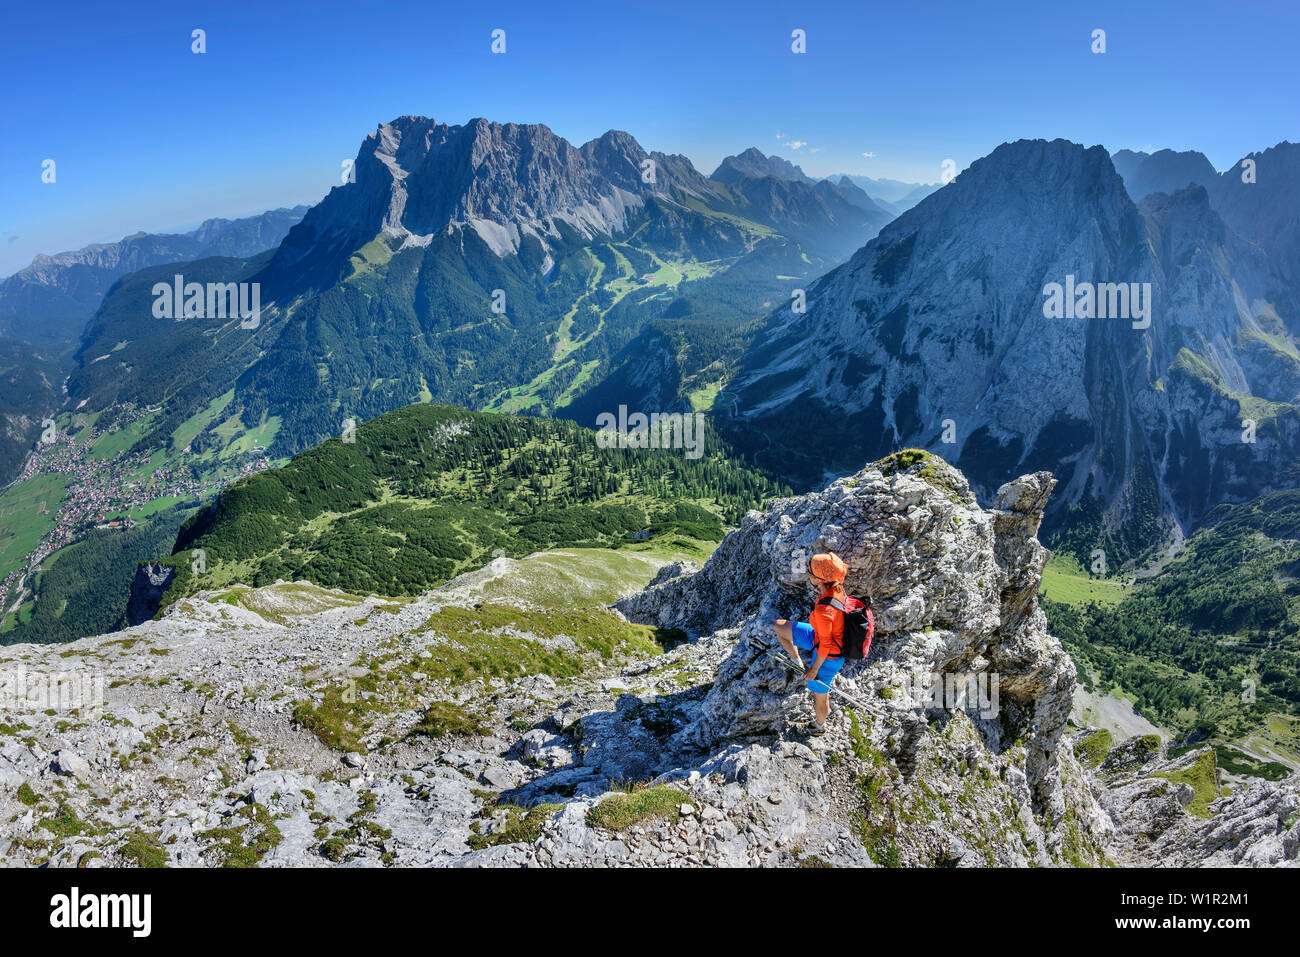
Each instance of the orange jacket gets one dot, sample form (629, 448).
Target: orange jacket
(828, 624)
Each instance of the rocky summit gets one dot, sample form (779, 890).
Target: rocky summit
(646, 720)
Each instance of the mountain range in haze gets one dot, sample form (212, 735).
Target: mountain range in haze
(49, 301)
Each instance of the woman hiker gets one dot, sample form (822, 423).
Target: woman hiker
(822, 634)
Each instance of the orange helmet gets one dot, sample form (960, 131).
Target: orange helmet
(828, 566)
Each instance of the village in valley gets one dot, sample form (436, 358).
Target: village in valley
(96, 481)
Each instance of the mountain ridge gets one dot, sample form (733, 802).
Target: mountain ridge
(897, 381)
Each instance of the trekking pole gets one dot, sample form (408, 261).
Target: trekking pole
(799, 671)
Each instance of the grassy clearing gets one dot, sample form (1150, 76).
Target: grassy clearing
(369, 260)
(263, 434)
(1238, 762)
(1064, 580)
(484, 642)
(702, 399)
(1280, 736)
(27, 512)
(280, 603)
(584, 577)
(493, 641)
(110, 445)
(187, 431)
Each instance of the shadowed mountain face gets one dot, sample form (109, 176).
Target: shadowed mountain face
(1265, 210)
(833, 191)
(1257, 197)
(1164, 171)
(890, 194)
(935, 334)
(51, 300)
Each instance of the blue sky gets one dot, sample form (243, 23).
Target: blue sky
(148, 135)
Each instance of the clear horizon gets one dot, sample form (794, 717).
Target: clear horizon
(150, 136)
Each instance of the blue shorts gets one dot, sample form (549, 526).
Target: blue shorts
(804, 639)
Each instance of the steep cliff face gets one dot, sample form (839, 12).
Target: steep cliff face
(1164, 171)
(520, 187)
(939, 334)
(147, 588)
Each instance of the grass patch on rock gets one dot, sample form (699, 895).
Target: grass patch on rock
(1203, 776)
(930, 468)
(144, 850)
(442, 718)
(875, 820)
(65, 823)
(1092, 749)
(245, 845)
(522, 826)
(618, 812)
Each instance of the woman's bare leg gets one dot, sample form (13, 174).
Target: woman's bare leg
(821, 706)
(785, 633)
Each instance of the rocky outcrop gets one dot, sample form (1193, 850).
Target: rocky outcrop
(954, 587)
(1166, 815)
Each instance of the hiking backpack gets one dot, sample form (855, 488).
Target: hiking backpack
(859, 625)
